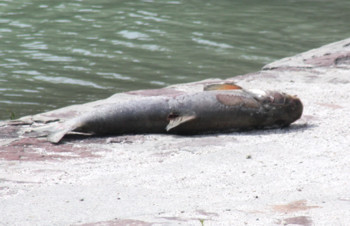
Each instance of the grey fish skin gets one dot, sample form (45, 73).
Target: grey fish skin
(232, 110)
(203, 112)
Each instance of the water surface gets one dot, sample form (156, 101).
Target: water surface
(58, 53)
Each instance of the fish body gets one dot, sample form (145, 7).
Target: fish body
(203, 112)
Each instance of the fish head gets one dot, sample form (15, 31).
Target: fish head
(283, 109)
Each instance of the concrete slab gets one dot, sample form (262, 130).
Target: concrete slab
(293, 176)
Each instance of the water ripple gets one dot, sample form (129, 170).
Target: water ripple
(76, 68)
(89, 53)
(62, 21)
(47, 57)
(81, 18)
(151, 47)
(134, 35)
(27, 72)
(154, 18)
(65, 80)
(5, 30)
(19, 24)
(211, 43)
(35, 45)
(114, 75)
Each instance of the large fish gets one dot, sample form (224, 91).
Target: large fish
(219, 108)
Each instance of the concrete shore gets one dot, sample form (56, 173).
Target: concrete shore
(293, 176)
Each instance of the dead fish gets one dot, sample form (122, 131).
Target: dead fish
(219, 108)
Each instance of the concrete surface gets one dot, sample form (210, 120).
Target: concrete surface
(293, 176)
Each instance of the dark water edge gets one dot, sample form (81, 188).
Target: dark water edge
(55, 54)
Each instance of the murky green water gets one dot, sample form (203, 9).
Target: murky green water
(57, 53)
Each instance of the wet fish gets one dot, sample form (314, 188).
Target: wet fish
(219, 108)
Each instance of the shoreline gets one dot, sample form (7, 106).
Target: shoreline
(298, 175)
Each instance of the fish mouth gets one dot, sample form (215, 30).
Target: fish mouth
(286, 108)
(296, 107)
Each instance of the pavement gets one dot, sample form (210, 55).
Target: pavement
(292, 176)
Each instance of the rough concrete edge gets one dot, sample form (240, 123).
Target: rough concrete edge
(323, 56)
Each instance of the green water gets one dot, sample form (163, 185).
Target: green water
(58, 53)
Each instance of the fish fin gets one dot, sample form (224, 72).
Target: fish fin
(178, 120)
(56, 137)
(60, 131)
(223, 86)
